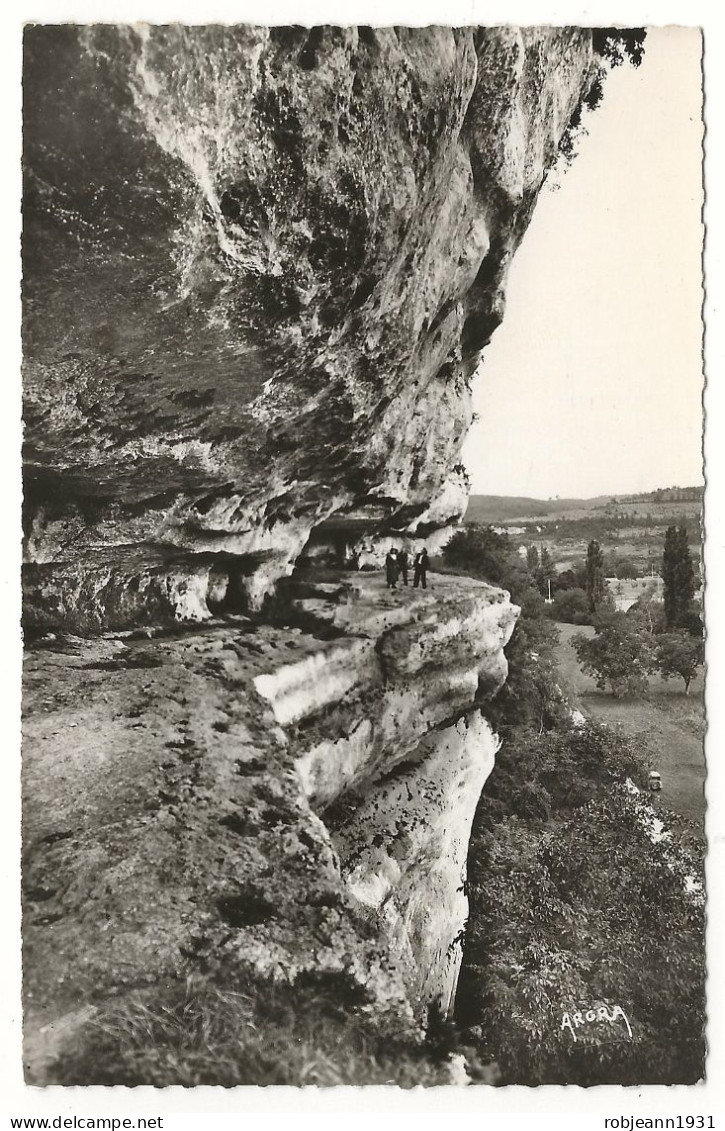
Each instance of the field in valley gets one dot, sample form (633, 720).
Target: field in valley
(668, 725)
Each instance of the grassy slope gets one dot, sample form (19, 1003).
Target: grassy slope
(669, 725)
(203, 1034)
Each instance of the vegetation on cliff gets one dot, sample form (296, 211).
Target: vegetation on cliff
(581, 898)
(597, 907)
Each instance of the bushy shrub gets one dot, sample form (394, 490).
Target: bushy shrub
(531, 801)
(531, 695)
(573, 578)
(597, 911)
(562, 769)
(625, 569)
(571, 606)
(480, 551)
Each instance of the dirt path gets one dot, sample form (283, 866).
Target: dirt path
(669, 726)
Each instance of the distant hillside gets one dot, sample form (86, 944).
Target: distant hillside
(505, 508)
(667, 495)
(677, 503)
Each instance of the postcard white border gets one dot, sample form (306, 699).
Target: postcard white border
(484, 1107)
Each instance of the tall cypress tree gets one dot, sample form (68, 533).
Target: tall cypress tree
(678, 575)
(595, 575)
(545, 571)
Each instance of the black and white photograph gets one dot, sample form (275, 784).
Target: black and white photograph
(363, 694)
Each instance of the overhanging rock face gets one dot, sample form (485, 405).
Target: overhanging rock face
(259, 269)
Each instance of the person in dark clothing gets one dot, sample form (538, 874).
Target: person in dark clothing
(403, 565)
(391, 568)
(420, 569)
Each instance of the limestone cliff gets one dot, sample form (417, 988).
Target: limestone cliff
(260, 266)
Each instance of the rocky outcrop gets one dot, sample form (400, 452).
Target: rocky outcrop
(260, 265)
(250, 800)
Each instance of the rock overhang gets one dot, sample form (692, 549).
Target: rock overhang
(260, 265)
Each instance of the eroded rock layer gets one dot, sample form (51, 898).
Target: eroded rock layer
(260, 265)
(250, 800)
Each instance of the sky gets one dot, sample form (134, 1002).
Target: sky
(592, 384)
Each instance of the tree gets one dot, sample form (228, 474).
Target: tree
(692, 622)
(619, 45)
(532, 559)
(678, 575)
(625, 568)
(545, 573)
(619, 655)
(595, 575)
(612, 46)
(567, 579)
(571, 606)
(573, 578)
(649, 610)
(679, 654)
(481, 552)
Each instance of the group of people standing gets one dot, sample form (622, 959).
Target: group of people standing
(396, 565)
